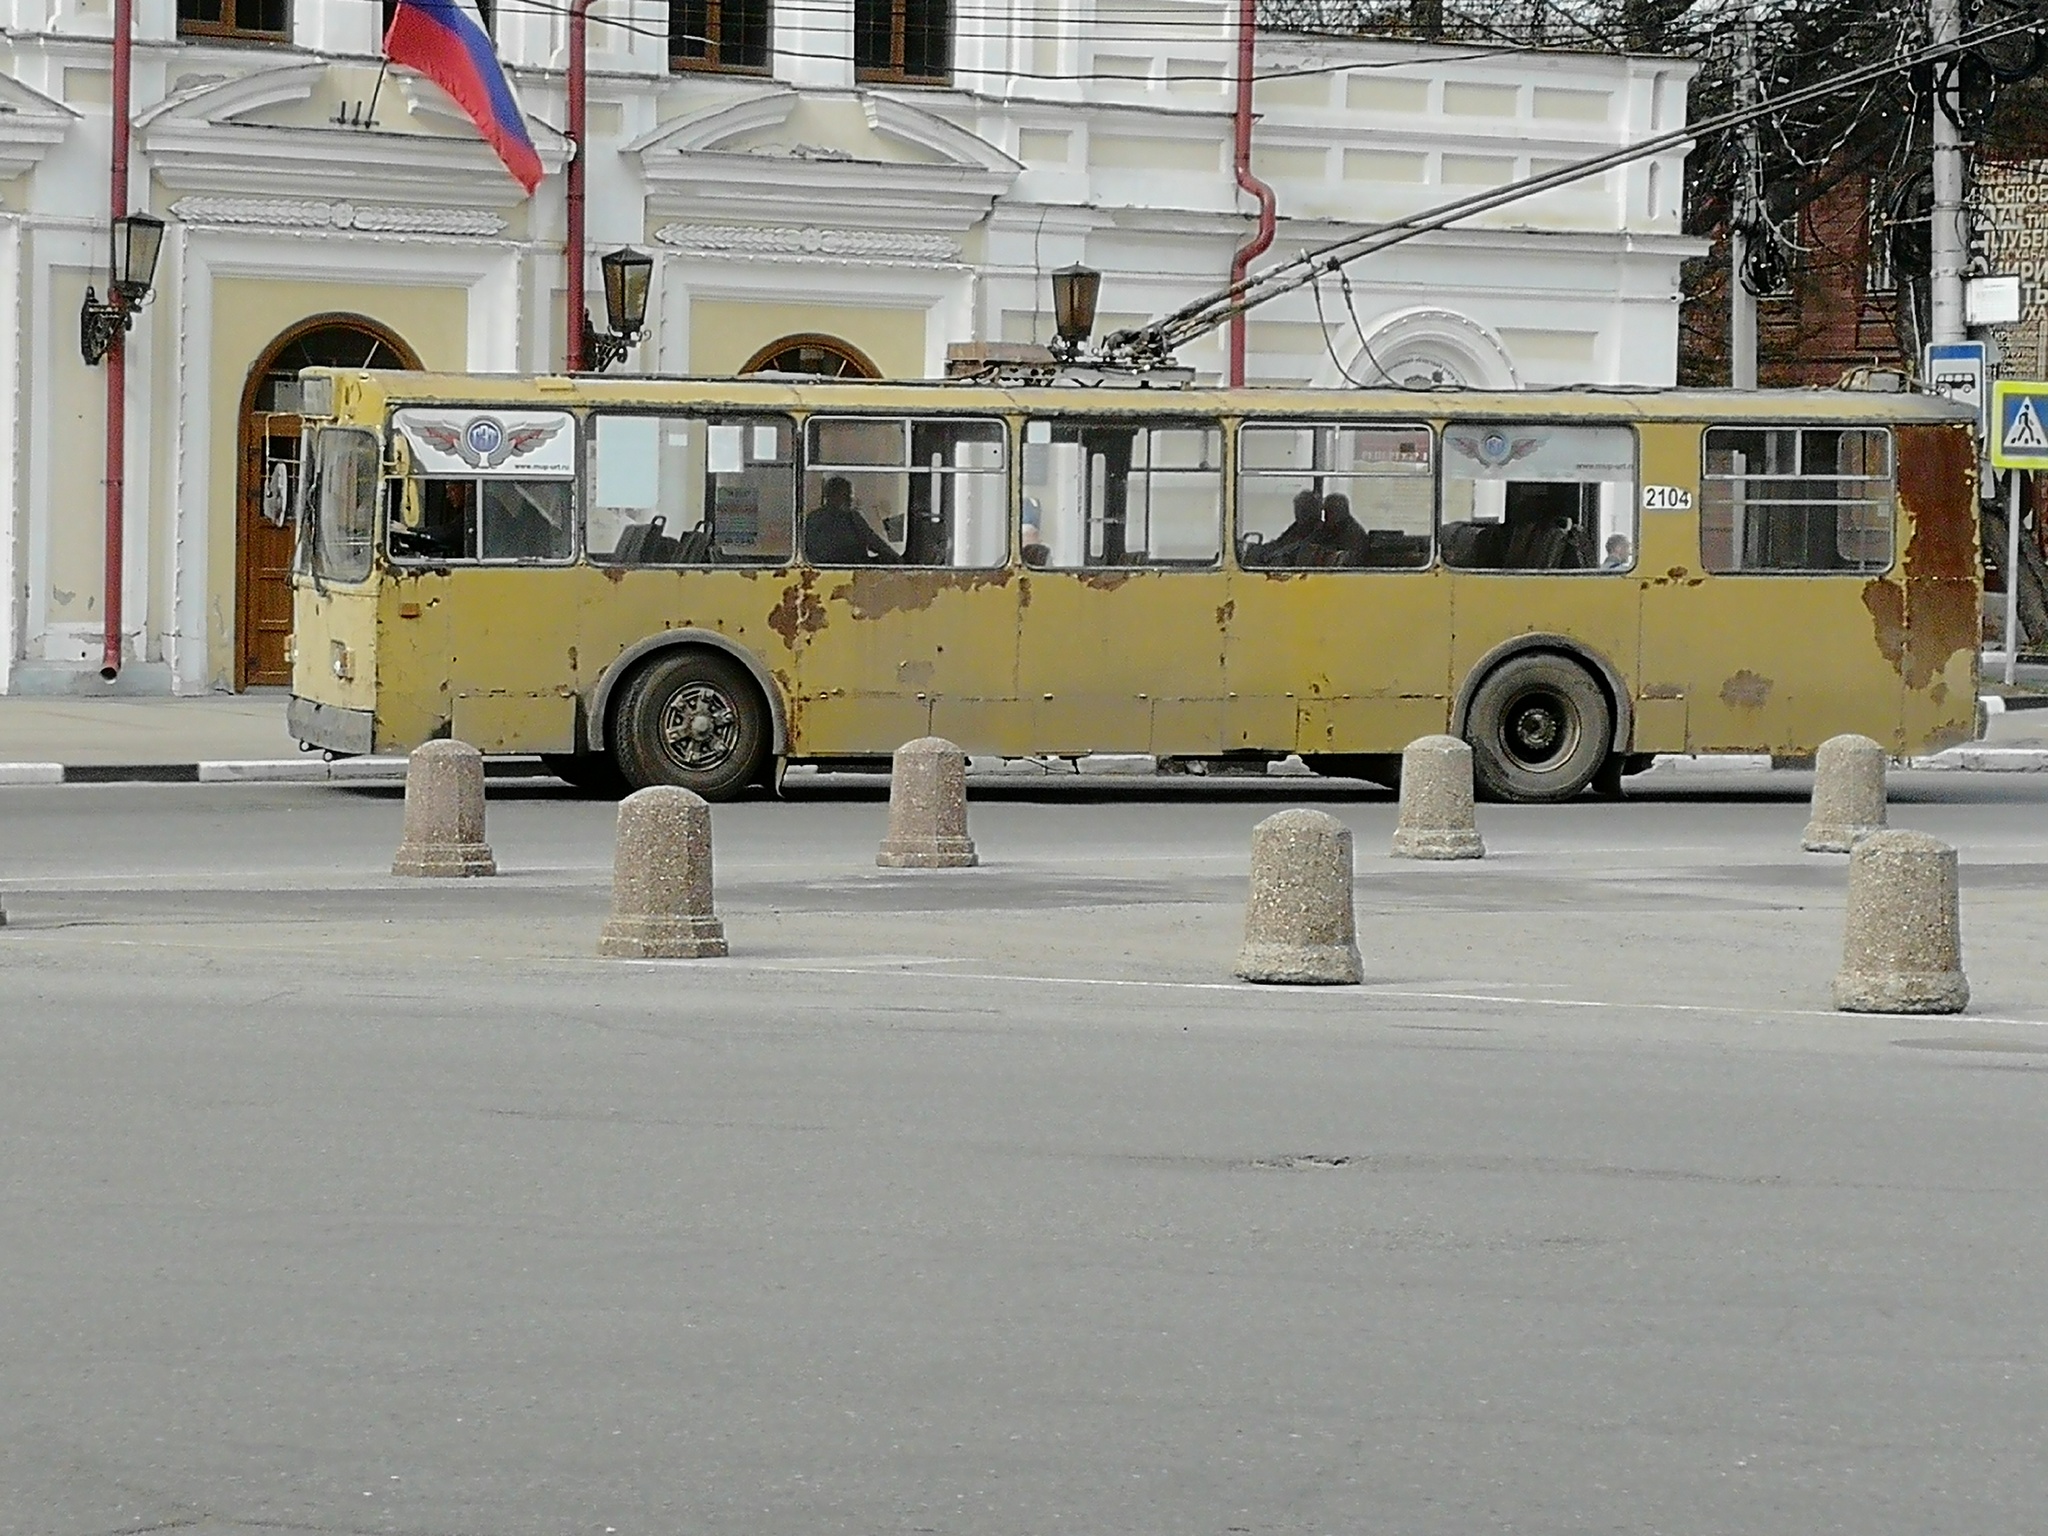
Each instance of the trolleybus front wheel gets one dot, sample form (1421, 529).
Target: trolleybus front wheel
(1539, 727)
(693, 719)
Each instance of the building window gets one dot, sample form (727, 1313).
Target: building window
(826, 357)
(719, 34)
(903, 40)
(267, 20)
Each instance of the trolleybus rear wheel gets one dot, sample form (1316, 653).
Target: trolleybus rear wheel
(693, 719)
(1539, 728)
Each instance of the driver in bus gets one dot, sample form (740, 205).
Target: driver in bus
(836, 533)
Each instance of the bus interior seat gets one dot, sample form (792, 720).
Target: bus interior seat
(632, 546)
(1391, 549)
(1529, 539)
(1474, 546)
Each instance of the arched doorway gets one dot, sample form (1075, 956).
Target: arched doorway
(825, 356)
(268, 480)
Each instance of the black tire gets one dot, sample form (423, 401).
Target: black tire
(588, 773)
(1540, 729)
(694, 719)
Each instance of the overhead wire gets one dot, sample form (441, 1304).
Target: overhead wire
(1215, 309)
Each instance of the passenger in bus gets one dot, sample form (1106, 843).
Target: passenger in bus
(1296, 544)
(1340, 541)
(837, 534)
(1030, 539)
(1618, 553)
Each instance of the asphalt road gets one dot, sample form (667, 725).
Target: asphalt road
(983, 1201)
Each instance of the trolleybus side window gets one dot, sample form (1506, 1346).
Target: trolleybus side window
(1330, 496)
(1792, 499)
(484, 485)
(1538, 497)
(895, 490)
(688, 490)
(1122, 493)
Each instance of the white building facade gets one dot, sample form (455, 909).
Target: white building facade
(838, 184)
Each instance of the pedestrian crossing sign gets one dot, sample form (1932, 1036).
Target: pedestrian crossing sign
(2019, 418)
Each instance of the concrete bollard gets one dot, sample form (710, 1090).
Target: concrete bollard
(661, 880)
(444, 813)
(1848, 794)
(1436, 802)
(1902, 951)
(1298, 925)
(927, 808)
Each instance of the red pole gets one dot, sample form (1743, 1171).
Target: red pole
(572, 249)
(1247, 27)
(117, 354)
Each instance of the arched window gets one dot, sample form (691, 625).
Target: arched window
(825, 356)
(343, 344)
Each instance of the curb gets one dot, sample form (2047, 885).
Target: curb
(288, 770)
(391, 770)
(1986, 760)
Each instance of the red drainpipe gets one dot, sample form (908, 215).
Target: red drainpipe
(572, 250)
(1247, 29)
(117, 354)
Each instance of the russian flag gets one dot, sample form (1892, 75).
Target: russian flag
(444, 41)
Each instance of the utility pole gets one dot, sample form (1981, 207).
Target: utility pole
(1948, 245)
(576, 322)
(117, 354)
(1748, 206)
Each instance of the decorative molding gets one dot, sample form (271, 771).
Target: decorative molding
(897, 119)
(197, 142)
(767, 240)
(31, 125)
(712, 126)
(1439, 339)
(292, 213)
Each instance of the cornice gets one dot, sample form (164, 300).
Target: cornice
(810, 240)
(298, 213)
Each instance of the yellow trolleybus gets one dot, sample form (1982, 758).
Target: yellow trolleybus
(695, 582)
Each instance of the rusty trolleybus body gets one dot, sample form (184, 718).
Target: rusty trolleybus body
(695, 581)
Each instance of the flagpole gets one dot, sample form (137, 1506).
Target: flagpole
(572, 251)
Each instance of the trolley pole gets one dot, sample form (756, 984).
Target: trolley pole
(1948, 244)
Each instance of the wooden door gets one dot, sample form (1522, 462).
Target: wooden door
(263, 601)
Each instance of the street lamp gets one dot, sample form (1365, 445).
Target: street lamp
(1074, 291)
(627, 274)
(137, 237)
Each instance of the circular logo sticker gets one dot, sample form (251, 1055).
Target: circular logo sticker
(485, 438)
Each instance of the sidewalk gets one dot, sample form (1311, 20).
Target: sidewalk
(242, 738)
(130, 731)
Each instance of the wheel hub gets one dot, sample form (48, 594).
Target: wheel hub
(700, 728)
(1538, 730)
